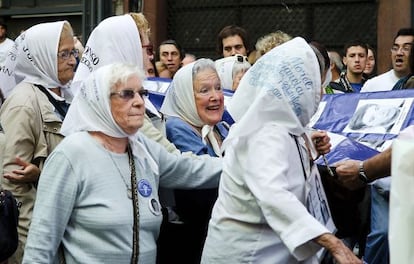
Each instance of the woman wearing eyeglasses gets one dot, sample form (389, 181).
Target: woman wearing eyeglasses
(34, 81)
(126, 39)
(98, 193)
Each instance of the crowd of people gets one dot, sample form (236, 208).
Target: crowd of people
(102, 176)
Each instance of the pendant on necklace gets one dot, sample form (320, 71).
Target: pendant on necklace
(129, 193)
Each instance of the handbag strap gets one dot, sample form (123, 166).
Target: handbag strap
(311, 163)
(62, 110)
(135, 205)
(300, 155)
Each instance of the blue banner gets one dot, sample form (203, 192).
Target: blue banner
(363, 124)
(157, 88)
(360, 124)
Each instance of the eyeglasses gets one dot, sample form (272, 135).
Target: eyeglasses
(241, 58)
(129, 94)
(406, 48)
(149, 48)
(65, 54)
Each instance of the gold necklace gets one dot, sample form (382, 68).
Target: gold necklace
(128, 187)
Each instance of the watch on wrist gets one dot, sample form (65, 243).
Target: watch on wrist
(362, 176)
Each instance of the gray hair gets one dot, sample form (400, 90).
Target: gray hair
(201, 65)
(336, 59)
(121, 72)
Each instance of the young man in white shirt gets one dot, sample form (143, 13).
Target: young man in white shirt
(400, 52)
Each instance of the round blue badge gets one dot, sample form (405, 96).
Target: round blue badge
(144, 188)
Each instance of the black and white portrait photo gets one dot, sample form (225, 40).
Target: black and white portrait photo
(381, 116)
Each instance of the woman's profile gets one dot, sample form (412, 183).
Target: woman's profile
(376, 118)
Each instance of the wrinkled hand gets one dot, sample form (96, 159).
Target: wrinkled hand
(348, 174)
(321, 140)
(28, 172)
(340, 252)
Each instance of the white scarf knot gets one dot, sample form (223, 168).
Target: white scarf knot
(208, 131)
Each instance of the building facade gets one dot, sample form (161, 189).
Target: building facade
(195, 24)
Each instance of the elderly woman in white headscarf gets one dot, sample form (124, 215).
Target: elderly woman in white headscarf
(34, 81)
(98, 193)
(194, 106)
(123, 39)
(266, 211)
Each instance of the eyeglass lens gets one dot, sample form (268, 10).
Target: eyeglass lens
(128, 94)
(66, 54)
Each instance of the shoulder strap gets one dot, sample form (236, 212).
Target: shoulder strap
(135, 206)
(62, 110)
(300, 155)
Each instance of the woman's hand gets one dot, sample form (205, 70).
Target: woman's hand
(340, 252)
(321, 140)
(28, 172)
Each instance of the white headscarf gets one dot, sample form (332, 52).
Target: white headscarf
(115, 39)
(179, 101)
(33, 58)
(91, 111)
(227, 67)
(284, 86)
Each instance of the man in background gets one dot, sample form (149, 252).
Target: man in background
(233, 40)
(171, 54)
(355, 57)
(400, 52)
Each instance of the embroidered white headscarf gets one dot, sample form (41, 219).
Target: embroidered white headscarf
(91, 110)
(115, 39)
(179, 101)
(33, 58)
(284, 85)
